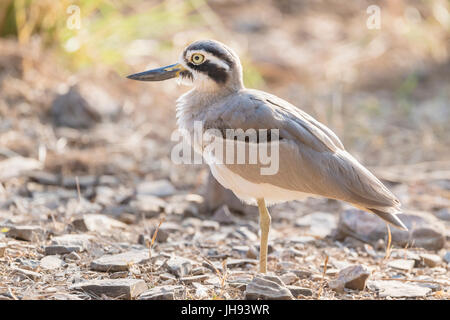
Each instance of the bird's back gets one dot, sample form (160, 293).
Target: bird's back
(312, 159)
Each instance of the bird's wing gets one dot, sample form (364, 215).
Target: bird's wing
(312, 158)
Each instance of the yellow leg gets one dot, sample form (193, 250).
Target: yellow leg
(264, 222)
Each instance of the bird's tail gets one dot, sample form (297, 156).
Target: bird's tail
(392, 218)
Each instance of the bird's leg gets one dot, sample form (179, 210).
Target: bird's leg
(264, 222)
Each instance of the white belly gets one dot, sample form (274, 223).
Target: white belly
(249, 191)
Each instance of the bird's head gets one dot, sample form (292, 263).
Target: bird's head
(205, 64)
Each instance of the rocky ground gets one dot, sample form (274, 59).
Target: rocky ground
(92, 207)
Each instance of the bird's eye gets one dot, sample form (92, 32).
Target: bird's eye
(197, 58)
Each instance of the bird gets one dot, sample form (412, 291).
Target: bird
(312, 160)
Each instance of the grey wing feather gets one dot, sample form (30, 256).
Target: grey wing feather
(313, 159)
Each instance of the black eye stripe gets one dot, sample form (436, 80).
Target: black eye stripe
(212, 50)
(215, 72)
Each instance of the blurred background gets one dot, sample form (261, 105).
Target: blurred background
(382, 85)
(77, 137)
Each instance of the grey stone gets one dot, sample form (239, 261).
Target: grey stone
(73, 110)
(402, 264)
(27, 233)
(267, 287)
(79, 181)
(424, 231)
(199, 278)
(223, 215)
(352, 277)
(54, 250)
(28, 264)
(289, 278)
(447, 257)
(51, 262)
(114, 288)
(209, 225)
(431, 260)
(179, 266)
(161, 293)
(235, 263)
(443, 214)
(397, 289)
(149, 206)
(245, 234)
(17, 166)
(319, 224)
(71, 241)
(159, 188)
(121, 261)
(302, 274)
(98, 223)
(300, 291)
(73, 256)
(27, 273)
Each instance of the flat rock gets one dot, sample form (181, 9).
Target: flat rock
(397, 289)
(300, 291)
(199, 278)
(114, 288)
(431, 260)
(319, 224)
(223, 215)
(424, 230)
(289, 278)
(447, 257)
(352, 277)
(98, 223)
(55, 250)
(161, 293)
(121, 261)
(159, 188)
(209, 225)
(179, 266)
(17, 166)
(402, 264)
(69, 241)
(51, 262)
(27, 273)
(27, 233)
(235, 263)
(267, 287)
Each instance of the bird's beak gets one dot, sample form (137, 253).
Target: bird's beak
(159, 74)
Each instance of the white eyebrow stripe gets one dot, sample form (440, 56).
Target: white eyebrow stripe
(210, 57)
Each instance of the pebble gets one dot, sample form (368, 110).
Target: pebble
(267, 287)
(223, 215)
(27, 273)
(352, 277)
(431, 260)
(319, 224)
(209, 225)
(179, 266)
(289, 278)
(27, 233)
(55, 250)
(161, 293)
(73, 256)
(447, 257)
(402, 264)
(235, 263)
(69, 241)
(98, 223)
(199, 278)
(300, 291)
(158, 188)
(114, 288)
(423, 232)
(120, 262)
(397, 289)
(51, 262)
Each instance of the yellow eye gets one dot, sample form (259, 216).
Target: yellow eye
(197, 58)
